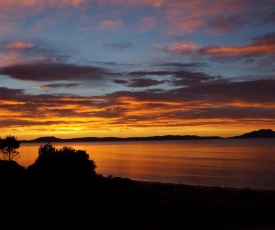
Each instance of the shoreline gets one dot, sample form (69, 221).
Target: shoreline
(200, 186)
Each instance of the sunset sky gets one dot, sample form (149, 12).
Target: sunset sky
(124, 68)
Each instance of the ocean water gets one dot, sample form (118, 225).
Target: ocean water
(244, 163)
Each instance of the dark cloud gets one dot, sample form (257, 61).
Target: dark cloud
(185, 78)
(179, 65)
(148, 73)
(33, 51)
(30, 101)
(53, 72)
(10, 94)
(225, 24)
(119, 46)
(267, 39)
(260, 47)
(221, 91)
(257, 91)
(216, 112)
(140, 82)
(120, 81)
(176, 78)
(231, 112)
(217, 91)
(58, 85)
(269, 18)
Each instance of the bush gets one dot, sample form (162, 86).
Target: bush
(63, 163)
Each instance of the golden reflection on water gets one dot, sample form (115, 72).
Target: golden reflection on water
(194, 162)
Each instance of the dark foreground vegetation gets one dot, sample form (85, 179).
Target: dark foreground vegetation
(61, 189)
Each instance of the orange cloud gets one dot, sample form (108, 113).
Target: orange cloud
(40, 3)
(43, 3)
(260, 47)
(199, 15)
(19, 45)
(10, 59)
(132, 3)
(177, 47)
(228, 51)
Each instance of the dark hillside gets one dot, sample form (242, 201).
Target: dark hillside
(52, 139)
(261, 133)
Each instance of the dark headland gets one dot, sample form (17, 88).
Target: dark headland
(261, 133)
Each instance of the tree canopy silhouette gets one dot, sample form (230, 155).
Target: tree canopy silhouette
(66, 162)
(8, 147)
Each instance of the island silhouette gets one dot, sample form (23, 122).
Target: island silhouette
(261, 133)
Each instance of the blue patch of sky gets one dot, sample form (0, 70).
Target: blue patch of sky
(89, 44)
(6, 81)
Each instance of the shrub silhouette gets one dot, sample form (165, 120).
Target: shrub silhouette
(63, 163)
(11, 172)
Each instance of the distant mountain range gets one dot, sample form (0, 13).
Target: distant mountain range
(262, 133)
(99, 139)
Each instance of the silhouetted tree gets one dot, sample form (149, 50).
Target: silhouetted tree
(45, 153)
(63, 163)
(8, 147)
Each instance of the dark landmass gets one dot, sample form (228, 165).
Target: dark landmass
(57, 192)
(52, 139)
(261, 133)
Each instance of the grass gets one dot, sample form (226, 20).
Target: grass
(118, 203)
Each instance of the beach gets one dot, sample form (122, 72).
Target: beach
(121, 203)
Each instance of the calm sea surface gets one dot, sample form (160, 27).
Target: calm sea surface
(227, 162)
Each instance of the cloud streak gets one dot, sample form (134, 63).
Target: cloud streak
(260, 47)
(19, 45)
(118, 46)
(53, 72)
(58, 85)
